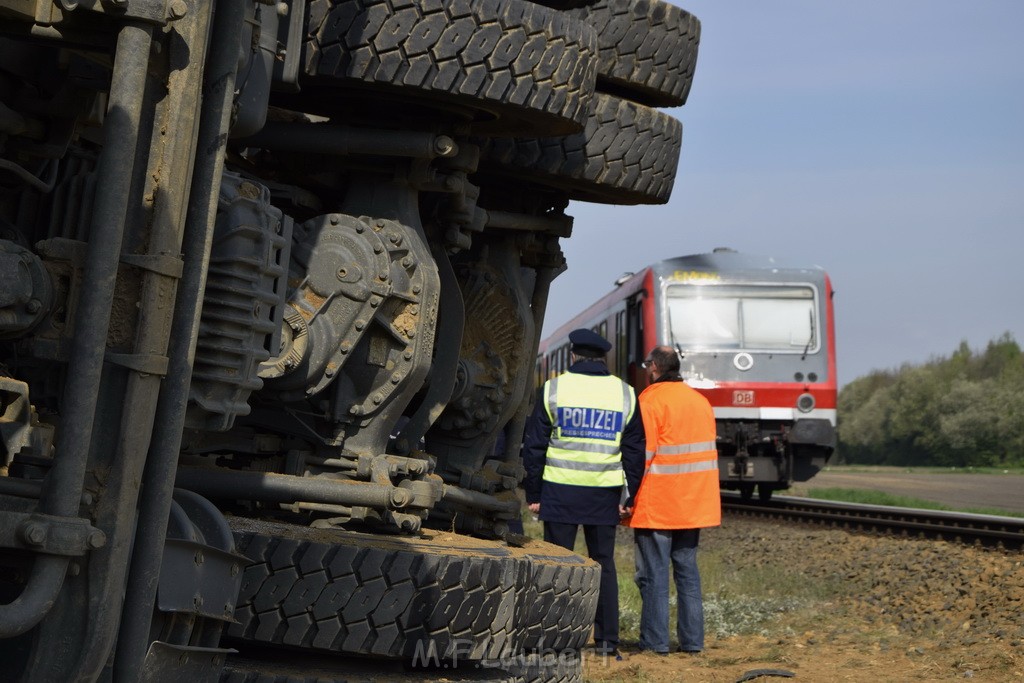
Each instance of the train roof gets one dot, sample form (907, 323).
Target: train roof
(728, 260)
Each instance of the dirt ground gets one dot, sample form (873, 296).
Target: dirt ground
(904, 609)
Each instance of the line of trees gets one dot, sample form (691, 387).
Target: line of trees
(963, 411)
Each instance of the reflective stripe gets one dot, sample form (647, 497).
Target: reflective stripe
(684, 468)
(687, 448)
(586, 446)
(553, 399)
(627, 403)
(650, 456)
(586, 466)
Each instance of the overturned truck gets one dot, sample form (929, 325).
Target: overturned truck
(272, 276)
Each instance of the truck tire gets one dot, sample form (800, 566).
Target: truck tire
(325, 670)
(564, 4)
(547, 667)
(350, 592)
(647, 49)
(627, 154)
(560, 600)
(512, 66)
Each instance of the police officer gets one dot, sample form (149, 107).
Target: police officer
(583, 444)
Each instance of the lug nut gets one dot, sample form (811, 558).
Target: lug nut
(34, 534)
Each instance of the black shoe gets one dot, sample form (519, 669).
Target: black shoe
(607, 650)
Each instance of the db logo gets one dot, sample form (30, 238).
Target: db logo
(743, 398)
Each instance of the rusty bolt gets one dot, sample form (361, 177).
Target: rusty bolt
(360, 229)
(393, 238)
(33, 306)
(97, 539)
(407, 261)
(377, 399)
(360, 324)
(379, 223)
(400, 498)
(345, 347)
(416, 289)
(396, 378)
(178, 9)
(34, 534)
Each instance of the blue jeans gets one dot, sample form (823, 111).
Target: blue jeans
(654, 549)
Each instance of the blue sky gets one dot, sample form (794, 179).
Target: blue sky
(880, 140)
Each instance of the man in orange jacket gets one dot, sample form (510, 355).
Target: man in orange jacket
(678, 497)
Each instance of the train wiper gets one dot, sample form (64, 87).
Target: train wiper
(810, 339)
(672, 334)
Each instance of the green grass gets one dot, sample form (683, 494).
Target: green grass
(868, 497)
(738, 599)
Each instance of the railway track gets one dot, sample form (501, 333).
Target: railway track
(959, 527)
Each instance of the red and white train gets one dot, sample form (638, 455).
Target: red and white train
(756, 337)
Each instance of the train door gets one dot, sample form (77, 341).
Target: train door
(635, 342)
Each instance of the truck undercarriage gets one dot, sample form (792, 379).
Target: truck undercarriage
(272, 277)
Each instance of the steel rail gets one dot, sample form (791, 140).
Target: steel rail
(989, 530)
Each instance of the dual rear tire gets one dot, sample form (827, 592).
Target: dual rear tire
(433, 599)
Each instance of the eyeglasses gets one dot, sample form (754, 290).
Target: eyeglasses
(647, 363)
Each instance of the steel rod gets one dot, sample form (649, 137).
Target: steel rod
(161, 464)
(284, 488)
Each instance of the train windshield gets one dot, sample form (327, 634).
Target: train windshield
(776, 318)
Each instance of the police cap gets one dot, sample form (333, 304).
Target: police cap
(589, 343)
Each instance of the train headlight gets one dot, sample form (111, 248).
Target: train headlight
(743, 361)
(805, 403)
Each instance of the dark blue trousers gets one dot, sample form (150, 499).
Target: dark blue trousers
(600, 540)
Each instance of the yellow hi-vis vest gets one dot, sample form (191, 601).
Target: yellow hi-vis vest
(588, 414)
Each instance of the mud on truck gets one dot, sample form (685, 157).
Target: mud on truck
(272, 276)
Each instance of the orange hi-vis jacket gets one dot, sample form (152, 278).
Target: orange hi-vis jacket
(679, 489)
